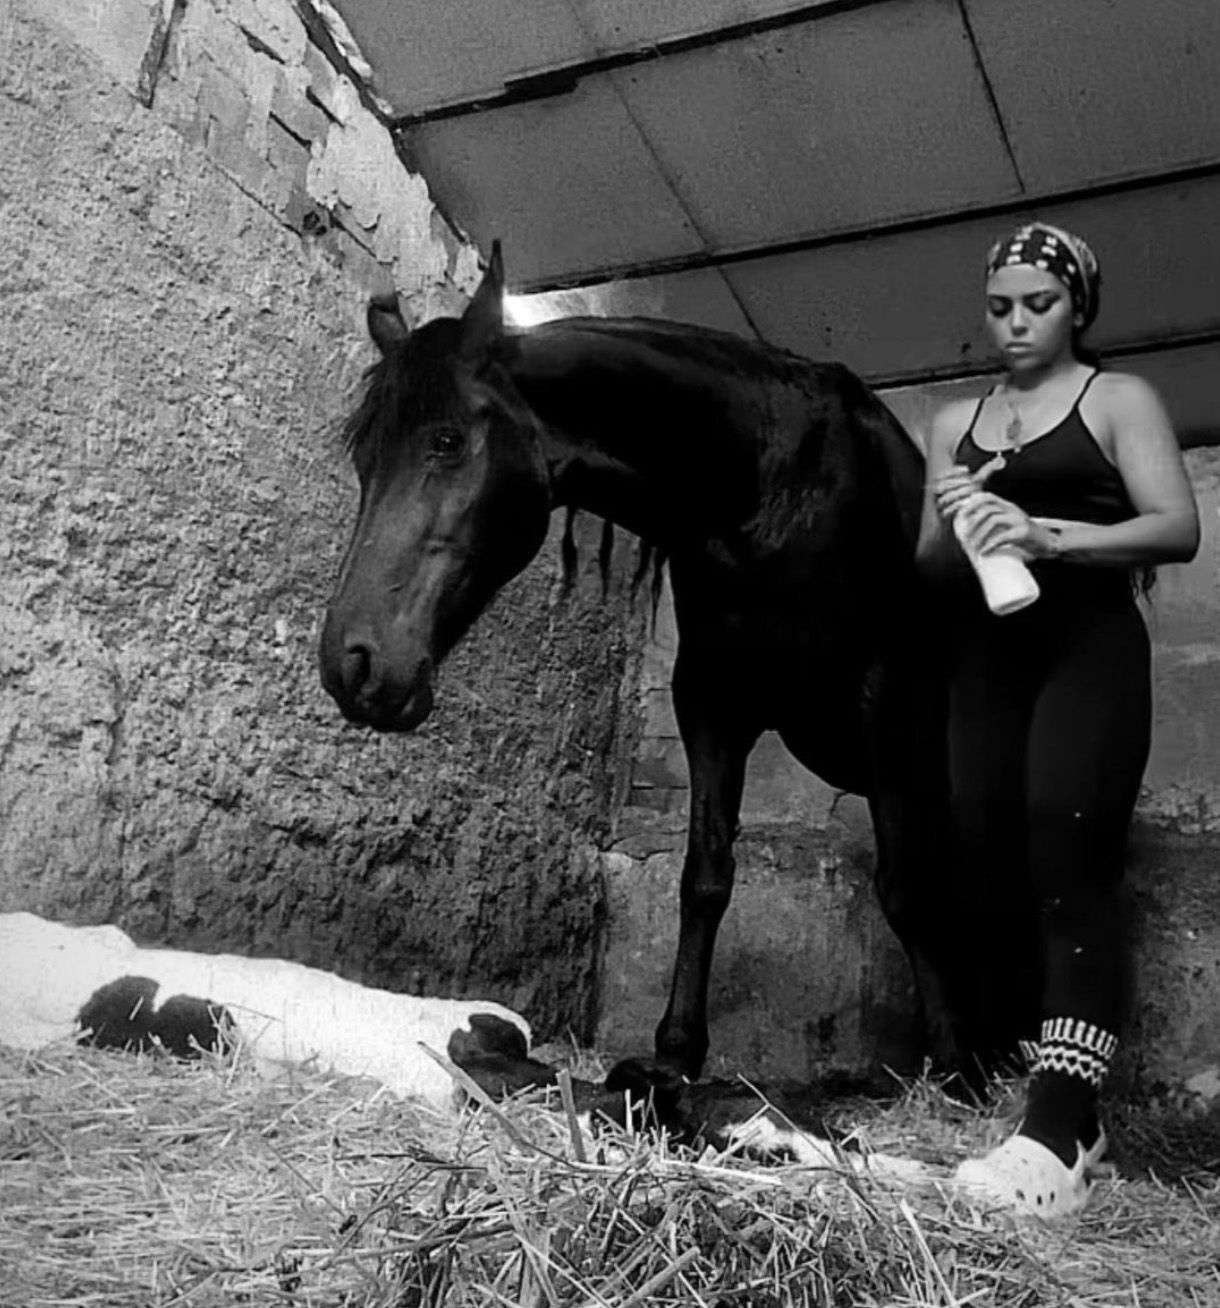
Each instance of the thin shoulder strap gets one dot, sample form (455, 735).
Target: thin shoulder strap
(1084, 390)
(974, 417)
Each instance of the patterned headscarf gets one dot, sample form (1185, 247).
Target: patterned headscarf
(1059, 253)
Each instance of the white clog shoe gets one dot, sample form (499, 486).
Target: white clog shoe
(1028, 1178)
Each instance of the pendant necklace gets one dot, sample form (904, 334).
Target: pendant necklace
(1014, 432)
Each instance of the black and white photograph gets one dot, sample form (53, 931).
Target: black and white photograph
(610, 654)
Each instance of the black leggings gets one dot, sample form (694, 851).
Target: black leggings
(1049, 728)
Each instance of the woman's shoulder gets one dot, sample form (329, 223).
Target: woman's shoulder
(1121, 399)
(949, 422)
(1122, 388)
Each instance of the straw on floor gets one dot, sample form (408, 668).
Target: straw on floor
(144, 1183)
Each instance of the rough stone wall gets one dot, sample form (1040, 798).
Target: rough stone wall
(1174, 916)
(184, 288)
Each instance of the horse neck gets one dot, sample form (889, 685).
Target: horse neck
(639, 425)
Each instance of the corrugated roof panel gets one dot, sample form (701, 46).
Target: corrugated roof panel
(840, 121)
(910, 303)
(567, 184)
(858, 118)
(630, 24)
(425, 54)
(888, 307)
(1103, 89)
(1160, 256)
(701, 296)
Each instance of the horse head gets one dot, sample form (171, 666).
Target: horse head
(454, 501)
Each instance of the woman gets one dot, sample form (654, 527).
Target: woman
(1050, 709)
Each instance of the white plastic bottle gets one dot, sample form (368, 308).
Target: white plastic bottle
(1008, 585)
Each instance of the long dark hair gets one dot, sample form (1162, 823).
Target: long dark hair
(1087, 355)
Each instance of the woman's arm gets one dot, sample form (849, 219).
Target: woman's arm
(1146, 453)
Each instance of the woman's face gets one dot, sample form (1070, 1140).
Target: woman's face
(1029, 316)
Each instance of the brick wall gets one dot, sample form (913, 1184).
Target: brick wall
(259, 86)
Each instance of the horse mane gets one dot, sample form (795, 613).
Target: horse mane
(789, 468)
(727, 352)
(650, 562)
(424, 353)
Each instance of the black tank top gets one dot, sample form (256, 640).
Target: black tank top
(1061, 474)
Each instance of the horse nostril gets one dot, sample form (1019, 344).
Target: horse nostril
(357, 667)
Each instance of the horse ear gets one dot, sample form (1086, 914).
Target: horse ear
(483, 321)
(386, 326)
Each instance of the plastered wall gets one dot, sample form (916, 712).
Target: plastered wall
(196, 205)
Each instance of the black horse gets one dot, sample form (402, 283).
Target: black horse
(786, 498)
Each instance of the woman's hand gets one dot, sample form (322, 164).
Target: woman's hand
(957, 485)
(953, 489)
(989, 523)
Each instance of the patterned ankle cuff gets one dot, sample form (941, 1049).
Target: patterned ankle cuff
(1076, 1048)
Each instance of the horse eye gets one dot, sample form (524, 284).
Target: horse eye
(446, 443)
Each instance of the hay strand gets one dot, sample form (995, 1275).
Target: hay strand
(144, 1183)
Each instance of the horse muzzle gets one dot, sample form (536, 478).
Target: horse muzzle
(371, 689)
(389, 714)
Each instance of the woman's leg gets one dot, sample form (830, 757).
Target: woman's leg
(991, 700)
(1088, 746)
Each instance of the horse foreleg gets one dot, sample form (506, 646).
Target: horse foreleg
(905, 730)
(716, 755)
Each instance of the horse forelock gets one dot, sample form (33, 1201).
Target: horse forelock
(414, 381)
(356, 428)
